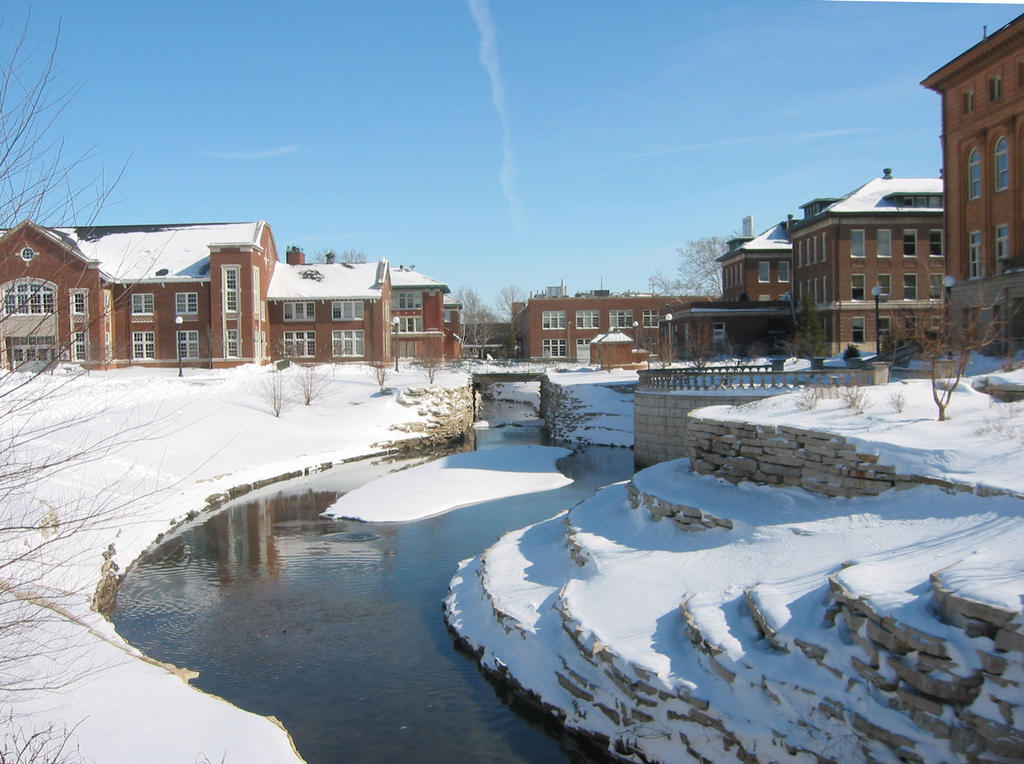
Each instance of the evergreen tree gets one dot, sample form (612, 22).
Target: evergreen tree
(809, 339)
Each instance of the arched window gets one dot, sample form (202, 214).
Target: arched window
(29, 298)
(974, 174)
(1002, 165)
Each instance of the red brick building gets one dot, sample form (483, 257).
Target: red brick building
(757, 267)
(210, 294)
(886, 234)
(983, 156)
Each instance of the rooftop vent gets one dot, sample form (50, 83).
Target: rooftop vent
(312, 275)
(349, 266)
(162, 272)
(887, 173)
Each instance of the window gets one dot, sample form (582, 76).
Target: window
(995, 87)
(582, 349)
(857, 243)
(188, 344)
(909, 286)
(552, 319)
(588, 319)
(1002, 165)
(1002, 241)
(408, 301)
(968, 101)
(910, 242)
(79, 303)
(651, 318)
(352, 310)
(857, 286)
(347, 342)
(764, 272)
(256, 296)
(973, 174)
(718, 332)
(764, 297)
(935, 242)
(800, 255)
(186, 303)
(143, 345)
(858, 329)
(824, 288)
(935, 286)
(814, 249)
(79, 347)
(451, 316)
(553, 348)
(885, 283)
(784, 271)
(884, 238)
(142, 304)
(232, 344)
(299, 311)
(410, 324)
(230, 288)
(300, 344)
(824, 248)
(974, 254)
(884, 326)
(620, 319)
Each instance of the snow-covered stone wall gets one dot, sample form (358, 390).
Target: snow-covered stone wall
(446, 413)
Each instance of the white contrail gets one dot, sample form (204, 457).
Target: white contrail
(268, 154)
(489, 58)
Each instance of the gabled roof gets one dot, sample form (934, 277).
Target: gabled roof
(611, 338)
(322, 281)
(884, 195)
(775, 239)
(407, 278)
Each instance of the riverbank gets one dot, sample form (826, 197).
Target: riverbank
(150, 449)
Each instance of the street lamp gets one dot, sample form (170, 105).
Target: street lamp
(177, 338)
(394, 323)
(636, 335)
(671, 350)
(876, 290)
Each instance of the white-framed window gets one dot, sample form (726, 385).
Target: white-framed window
(620, 319)
(410, 324)
(968, 101)
(935, 242)
(884, 240)
(1002, 165)
(188, 344)
(824, 288)
(814, 249)
(764, 271)
(1002, 241)
(651, 319)
(553, 348)
(142, 304)
(348, 343)
(79, 346)
(800, 254)
(824, 248)
(143, 345)
(857, 242)
(935, 286)
(995, 87)
(232, 344)
(909, 286)
(974, 174)
(910, 242)
(451, 316)
(186, 303)
(231, 288)
(403, 300)
(588, 319)
(815, 290)
(718, 332)
(784, 271)
(300, 344)
(858, 329)
(350, 310)
(974, 254)
(299, 311)
(857, 286)
(79, 302)
(885, 283)
(256, 295)
(552, 319)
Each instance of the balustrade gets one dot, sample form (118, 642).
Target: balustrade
(749, 377)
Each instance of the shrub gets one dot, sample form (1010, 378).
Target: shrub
(855, 399)
(852, 351)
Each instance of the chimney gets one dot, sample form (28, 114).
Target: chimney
(748, 226)
(887, 173)
(329, 257)
(295, 256)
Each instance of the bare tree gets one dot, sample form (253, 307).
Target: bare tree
(512, 301)
(698, 272)
(311, 383)
(380, 372)
(353, 256)
(273, 393)
(700, 345)
(478, 319)
(432, 360)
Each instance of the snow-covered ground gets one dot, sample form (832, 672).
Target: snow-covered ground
(597, 406)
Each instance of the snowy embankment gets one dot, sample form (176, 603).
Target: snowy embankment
(590, 406)
(158, 447)
(869, 628)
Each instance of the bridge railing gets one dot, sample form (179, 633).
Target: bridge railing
(752, 377)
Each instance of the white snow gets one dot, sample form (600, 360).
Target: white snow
(323, 281)
(873, 196)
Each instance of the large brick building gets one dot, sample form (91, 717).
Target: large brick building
(983, 155)
(210, 294)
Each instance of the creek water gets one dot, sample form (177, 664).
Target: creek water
(335, 627)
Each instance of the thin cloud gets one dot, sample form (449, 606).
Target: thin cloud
(748, 139)
(481, 13)
(268, 154)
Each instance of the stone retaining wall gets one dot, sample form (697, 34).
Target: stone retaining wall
(446, 413)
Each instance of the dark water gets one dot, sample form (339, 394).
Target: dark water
(335, 627)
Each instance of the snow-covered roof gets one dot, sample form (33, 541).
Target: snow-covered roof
(404, 278)
(611, 337)
(775, 239)
(133, 253)
(323, 281)
(884, 195)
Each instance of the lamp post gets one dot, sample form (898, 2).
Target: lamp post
(394, 323)
(671, 350)
(636, 335)
(177, 340)
(876, 290)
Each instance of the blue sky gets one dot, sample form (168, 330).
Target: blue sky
(492, 142)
